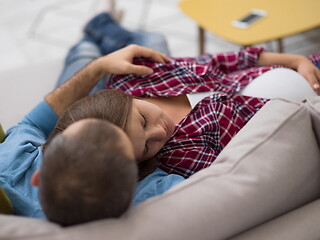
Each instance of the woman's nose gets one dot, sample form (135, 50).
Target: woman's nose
(157, 133)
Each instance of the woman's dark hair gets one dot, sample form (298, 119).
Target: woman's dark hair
(111, 105)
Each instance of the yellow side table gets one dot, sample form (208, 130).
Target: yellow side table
(284, 18)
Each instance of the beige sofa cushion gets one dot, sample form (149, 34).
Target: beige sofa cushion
(299, 224)
(14, 227)
(270, 168)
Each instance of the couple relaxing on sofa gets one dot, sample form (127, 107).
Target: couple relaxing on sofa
(159, 120)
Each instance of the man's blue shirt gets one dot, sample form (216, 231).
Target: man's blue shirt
(21, 155)
(155, 184)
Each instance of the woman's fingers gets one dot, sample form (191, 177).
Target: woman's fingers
(317, 84)
(311, 73)
(313, 82)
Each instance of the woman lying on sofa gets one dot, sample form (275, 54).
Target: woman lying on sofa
(188, 108)
(186, 98)
(183, 135)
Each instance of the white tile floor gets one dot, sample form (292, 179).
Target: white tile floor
(37, 31)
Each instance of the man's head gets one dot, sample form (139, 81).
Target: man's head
(88, 173)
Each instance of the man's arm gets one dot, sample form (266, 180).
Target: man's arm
(119, 62)
(296, 62)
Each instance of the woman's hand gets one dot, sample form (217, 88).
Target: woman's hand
(120, 62)
(310, 72)
(296, 62)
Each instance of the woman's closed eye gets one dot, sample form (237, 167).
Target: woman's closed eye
(145, 122)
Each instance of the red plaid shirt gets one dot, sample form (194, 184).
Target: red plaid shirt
(206, 130)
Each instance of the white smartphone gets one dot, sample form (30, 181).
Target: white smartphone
(253, 16)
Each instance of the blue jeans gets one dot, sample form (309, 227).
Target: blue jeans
(103, 36)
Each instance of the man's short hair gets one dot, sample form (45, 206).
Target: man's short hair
(88, 176)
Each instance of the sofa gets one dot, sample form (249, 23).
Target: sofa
(265, 184)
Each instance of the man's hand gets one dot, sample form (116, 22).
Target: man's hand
(120, 62)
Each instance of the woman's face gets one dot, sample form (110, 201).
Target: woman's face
(149, 129)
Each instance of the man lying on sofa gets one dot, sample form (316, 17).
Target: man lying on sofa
(21, 152)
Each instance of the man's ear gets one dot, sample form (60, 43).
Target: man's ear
(35, 178)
